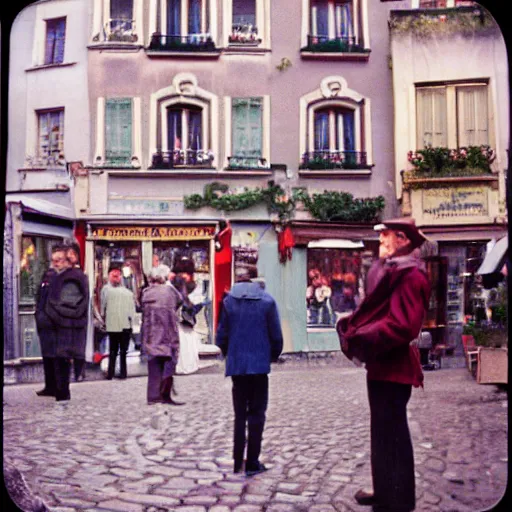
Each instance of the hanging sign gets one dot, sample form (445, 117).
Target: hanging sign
(153, 233)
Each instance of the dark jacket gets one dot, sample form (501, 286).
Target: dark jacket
(159, 321)
(249, 331)
(380, 331)
(45, 327)
(68, 307)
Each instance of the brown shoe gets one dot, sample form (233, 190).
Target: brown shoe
(364, 498)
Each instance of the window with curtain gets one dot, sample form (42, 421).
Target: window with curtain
(55, 39)
(197, 17)
(431, 117)
(121, 16)
(332, 19)
(174, 17)
(247, 122)
(118, 130)
(185, 134)
(334, 130)
(466, 122)
(50, 133)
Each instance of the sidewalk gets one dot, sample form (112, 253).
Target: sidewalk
(109, 451)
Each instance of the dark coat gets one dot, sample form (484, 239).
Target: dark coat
(159, 328)
(249, 331)
(380, 331)
(68, 307)
(45, 327)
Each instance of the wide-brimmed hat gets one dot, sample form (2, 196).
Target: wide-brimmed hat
(406, 225)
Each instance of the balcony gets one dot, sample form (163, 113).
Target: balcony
(325, 46)
(251, 163)
(334, 160)
(181, 159)
(190, 43)
(244, 34)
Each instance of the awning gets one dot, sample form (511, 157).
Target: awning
(495, 258)
(335, 244)
(41, 206)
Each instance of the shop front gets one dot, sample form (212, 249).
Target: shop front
(136, 249)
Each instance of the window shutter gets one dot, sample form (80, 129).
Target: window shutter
(247, 120)
(472, 116)
(239, 121)
(255, 127)
(431, 117)
(118, 121)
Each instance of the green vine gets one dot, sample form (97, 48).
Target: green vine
(327, 206)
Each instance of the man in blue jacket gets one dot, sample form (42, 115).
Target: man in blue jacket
(250, 337)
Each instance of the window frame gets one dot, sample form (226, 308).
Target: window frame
(49, 60)
(262, 13)
(333, 93)
(47, 158)
(102, 31)
(453, 111)
(360, 30)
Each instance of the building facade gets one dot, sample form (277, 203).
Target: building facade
(452, 129)
(48, 128)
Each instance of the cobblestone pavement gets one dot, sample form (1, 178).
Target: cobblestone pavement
(108, 450)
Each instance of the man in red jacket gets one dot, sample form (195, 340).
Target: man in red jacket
(379, 334)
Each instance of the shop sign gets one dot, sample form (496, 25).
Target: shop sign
(455, 203)
(153, 233)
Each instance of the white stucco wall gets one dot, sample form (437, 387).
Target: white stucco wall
(448, 59)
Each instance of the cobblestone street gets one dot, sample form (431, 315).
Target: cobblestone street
(108, 450)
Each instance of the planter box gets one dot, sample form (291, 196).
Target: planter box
(492, 367)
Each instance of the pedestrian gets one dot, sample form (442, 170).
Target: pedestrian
(67, 306)
(160, 338)
(46, 329)
(73, 256)
(118, 311)
(379, 333)
(250, 337)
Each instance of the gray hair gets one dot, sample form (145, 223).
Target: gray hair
(159, 274)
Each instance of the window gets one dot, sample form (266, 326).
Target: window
(243, 28)
(50, 134)
(335, 26)
(118, 131)
(335, 125)
(247, 126)
(183, 131)
(182, 25)
(465, 123)
(120, 26)
(55, 38)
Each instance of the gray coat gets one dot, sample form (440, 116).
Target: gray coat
(159, 320)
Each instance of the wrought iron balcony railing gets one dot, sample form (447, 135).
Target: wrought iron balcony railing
(247, 162)
(180, 158)
(244, 33)
(326, 159)
(191, 42)
(334, 44)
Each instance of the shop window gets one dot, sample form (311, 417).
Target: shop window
(436, 312)
(35, 261)
(55, 41)
(50, 135)
(118, 131)
(335, 284)
(453, 116)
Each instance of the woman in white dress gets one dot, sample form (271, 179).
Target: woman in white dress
(183, 281)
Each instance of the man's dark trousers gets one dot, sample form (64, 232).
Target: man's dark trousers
(62, 369)
(250, 400)
(391, 447)
(119, 342)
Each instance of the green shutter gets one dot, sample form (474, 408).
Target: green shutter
(118, 128)
(247, 121)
